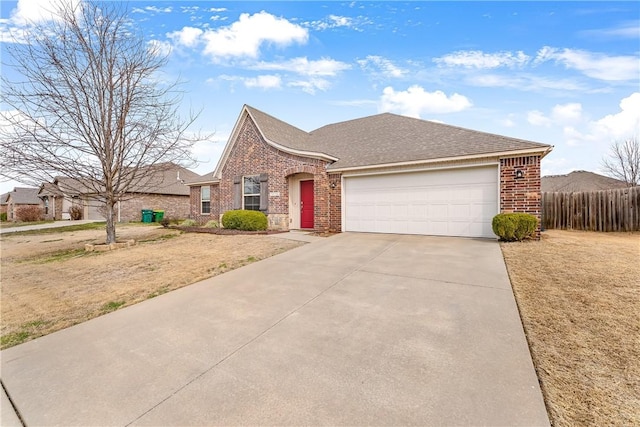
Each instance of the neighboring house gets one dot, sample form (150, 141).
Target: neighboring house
(384, 173)
(3, 203)
(20, 196)
(579, 181)
(162, 189)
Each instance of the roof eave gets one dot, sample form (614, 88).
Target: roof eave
(542, 150)
(200, 183)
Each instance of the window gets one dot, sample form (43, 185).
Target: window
(205, 199)
(46, 206)
(251, 192)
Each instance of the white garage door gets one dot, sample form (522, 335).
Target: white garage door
(452, 202)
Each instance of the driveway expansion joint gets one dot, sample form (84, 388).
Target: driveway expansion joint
(428, 279)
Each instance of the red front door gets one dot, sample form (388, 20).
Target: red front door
(306, 204)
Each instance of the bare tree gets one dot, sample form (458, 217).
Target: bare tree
(89, 105)
(623, 161)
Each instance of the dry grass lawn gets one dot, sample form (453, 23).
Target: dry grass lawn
(579, 298)
(49, 283)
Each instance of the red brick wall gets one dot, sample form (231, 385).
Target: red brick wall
(174, 207)
(251, 155)
(521, 194)
(196, 208)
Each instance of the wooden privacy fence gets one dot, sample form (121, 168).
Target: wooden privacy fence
(605, 210)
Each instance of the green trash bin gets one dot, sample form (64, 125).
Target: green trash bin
(158, 215)
(147, 215)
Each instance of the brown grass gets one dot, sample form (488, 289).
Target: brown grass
(579, 298)
(49, 283)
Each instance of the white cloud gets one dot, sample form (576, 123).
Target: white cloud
(264, 82)
(595, 65)
(383, 66)
(160, 47)
(415, 101)
(567, 113)
(625, 30)
(303, 66)
(217, 9)
(245, 37)
(312, 85)
(336, 21)
(187, 36)
(481, 60)
(526, 82)
(537, 118)
(33, 11)
(624, 123)
(27, 13)
(156, 9)
(577, 129)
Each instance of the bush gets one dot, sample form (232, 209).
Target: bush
(3, 217)
(29, 213)
(188, 223)
(212, 224)
(75, 212)
(514, 226)
(244, 220)
(165, 222)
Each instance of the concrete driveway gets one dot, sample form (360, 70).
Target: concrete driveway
(356, 329)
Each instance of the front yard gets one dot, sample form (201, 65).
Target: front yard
(49, 282)
(579, 299)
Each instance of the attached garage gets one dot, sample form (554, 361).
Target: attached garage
(445, 202)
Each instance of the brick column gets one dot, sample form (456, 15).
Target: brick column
(520, 186)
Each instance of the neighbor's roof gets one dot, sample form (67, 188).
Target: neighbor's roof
(3, 198)
(388, 138)
(165, 179)
(579, 181)
(24, 196)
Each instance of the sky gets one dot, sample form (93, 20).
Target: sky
(560, 73)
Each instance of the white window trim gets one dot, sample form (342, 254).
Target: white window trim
(203, 200)
(250, 194)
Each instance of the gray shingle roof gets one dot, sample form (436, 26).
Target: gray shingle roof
(24, 196)
(579, 181)
(388, 138)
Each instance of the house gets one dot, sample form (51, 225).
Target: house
(19, 197)
(162, 188)
(384, 173)
(577, 181)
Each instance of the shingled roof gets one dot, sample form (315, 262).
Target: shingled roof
(24, 196)
(578, 181)
(386, 139)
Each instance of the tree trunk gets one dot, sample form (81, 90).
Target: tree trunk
(111, 222)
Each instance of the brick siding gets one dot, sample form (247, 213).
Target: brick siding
(174, 207)
(251, 155)
(521, 194)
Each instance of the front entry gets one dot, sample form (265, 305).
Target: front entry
(306, 204)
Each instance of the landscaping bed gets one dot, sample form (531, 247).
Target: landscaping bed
(579, 298)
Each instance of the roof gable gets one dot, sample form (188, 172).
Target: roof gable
(378, 140)
(24, 196)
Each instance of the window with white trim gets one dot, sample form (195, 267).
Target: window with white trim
(251, 192)
(205, 199)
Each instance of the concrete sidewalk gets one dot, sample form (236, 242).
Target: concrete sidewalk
(55, 224)
(356, 329)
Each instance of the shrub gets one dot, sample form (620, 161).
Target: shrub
(165, 222)
(188, 223)
(244, 220)
(75, 212)
(29, 213)
(3, 217)
(514, 226)
(212, 224)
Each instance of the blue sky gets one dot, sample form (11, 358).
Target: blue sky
(562, 73)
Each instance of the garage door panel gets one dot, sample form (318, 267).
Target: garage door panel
(456, 202)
